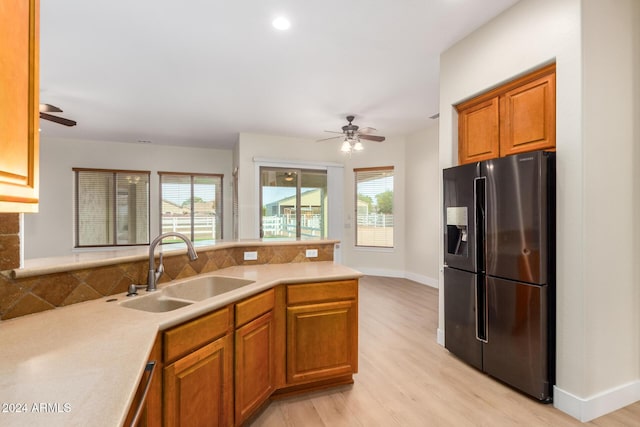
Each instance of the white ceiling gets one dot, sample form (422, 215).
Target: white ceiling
(198, 72)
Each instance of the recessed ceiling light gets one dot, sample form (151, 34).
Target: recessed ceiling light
(281, 23)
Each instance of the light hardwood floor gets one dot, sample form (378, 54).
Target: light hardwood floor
(406, 379)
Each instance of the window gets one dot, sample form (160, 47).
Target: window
(293, 203)
(112, 207)
(374, 207)
(191, 204)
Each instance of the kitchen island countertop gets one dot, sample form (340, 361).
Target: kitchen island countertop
(80, 365)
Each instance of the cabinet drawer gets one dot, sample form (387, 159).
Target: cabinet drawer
(254, 307)
(185, 338)
(320, 292)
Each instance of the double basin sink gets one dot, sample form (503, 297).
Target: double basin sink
(185, 292)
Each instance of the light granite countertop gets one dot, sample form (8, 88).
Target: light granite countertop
(80, 365)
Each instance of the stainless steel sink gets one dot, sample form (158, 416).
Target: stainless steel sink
(201, 288)
(155, 303)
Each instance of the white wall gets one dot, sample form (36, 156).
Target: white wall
(597, 330)
(610, 140)
(49, 232)
(422, 206)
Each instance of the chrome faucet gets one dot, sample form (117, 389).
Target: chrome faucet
(154, 275)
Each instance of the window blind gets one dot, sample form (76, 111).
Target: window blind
(191, 204)
(111, 207)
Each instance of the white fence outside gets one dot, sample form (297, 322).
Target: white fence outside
(204, 227)
(285, 226)
(375, 220)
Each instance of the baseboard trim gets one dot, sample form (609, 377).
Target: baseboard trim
(597, 405)
(440, 336)
(380, 272)
(418, 278)
(423, 280)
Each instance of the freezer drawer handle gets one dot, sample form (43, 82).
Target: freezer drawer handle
(482, 322)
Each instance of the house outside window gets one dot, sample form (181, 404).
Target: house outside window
(111, 207)
(191, 204)
(374, 206)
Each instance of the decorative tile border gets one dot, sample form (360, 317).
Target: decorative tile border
(19, 297)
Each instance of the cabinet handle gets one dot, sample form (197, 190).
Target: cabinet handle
(151, 368)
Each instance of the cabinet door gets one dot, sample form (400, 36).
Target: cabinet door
(322, 341)
(528, 117)
(19, 78)
(198, 387)
(254, 365)
(479, 131)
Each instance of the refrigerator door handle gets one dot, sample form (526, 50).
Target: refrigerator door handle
(479, 191)
(480, 221)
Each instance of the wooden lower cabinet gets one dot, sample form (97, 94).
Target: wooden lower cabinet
(198, 387)
(321, 341)
(151, 413)
(254, 366)
(322, 331)
(221, 368)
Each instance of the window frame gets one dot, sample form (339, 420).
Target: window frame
(391, 169)
(192, 175)
(76, 205)
(299, 175)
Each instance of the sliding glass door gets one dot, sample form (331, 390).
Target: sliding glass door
(293, 203)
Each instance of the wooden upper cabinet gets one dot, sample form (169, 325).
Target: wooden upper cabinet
(19, 105)
(528, 117)
(479, 132)
(516, 117)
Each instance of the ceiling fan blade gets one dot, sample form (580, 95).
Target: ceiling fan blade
(331, 131)
(367, 130)
(48, 108)
(57, 119)
(373, 138)
(331, 137)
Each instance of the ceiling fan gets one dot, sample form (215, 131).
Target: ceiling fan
(45, 109)
(352, 135)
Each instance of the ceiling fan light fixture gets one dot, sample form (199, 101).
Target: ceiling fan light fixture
(352, 134)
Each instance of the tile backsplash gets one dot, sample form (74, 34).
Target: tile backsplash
(19, 297)
(9, 241)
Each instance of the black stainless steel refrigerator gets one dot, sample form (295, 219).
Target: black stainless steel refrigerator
(499, 275)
